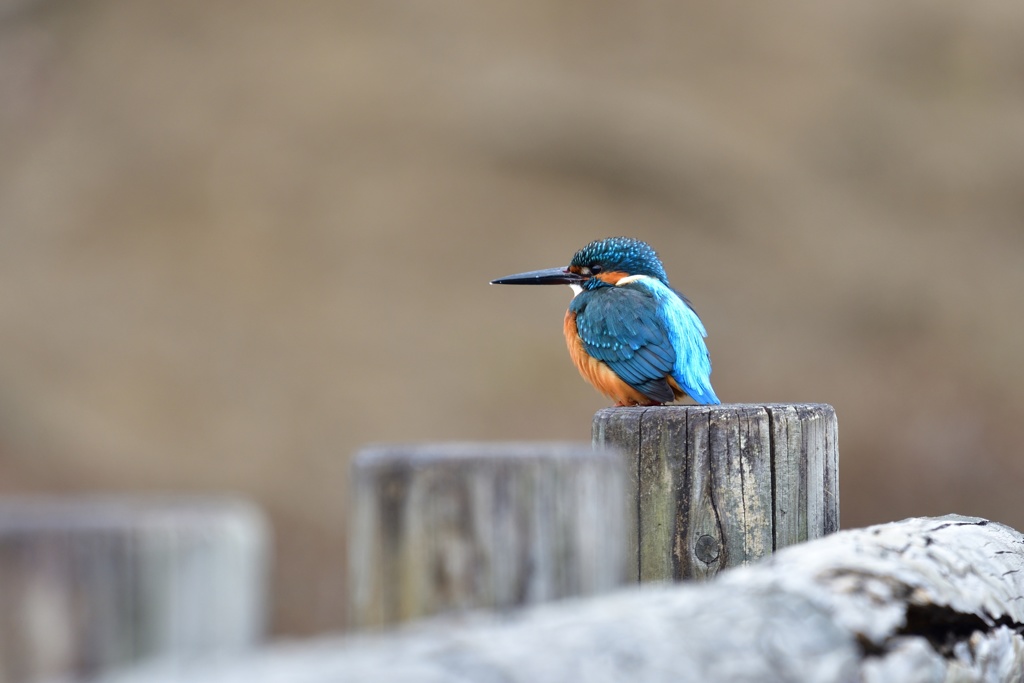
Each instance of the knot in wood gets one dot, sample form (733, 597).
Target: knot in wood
(707, 549)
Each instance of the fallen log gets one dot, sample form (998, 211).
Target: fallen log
(925, 599)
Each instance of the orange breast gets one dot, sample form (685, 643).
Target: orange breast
(597, 373)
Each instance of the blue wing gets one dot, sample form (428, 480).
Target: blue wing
(621, 327)
(645, 333)
(692, 370)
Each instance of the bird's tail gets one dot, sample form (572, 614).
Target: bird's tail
(704, 395)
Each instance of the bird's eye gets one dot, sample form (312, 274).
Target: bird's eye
(595, 269)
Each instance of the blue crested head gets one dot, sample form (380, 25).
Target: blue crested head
(618, 255)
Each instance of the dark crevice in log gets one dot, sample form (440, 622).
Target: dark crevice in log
(870, 648)
(973, 522)
(943, 627)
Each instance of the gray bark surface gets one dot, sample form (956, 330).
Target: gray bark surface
(918, 601)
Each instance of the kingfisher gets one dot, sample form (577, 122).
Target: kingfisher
(631, 336)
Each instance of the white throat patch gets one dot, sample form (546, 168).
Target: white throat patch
(576, 289)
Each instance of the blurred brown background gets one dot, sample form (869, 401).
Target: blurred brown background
(239, 240)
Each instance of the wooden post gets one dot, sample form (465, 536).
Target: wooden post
(720, 486)
(88, 585)
(444, 527)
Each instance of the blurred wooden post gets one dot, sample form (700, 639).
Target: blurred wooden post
(444, 527)
(720, 486)
(88, 585)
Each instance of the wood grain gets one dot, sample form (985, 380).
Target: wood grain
(720, 486)
(449, 527)
(805, 466)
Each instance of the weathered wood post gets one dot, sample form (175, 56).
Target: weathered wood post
(719, 486)
(88, 585)
(443, 527)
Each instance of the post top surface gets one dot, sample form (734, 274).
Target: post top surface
(710, 409)
(377, 455)
(113, 512)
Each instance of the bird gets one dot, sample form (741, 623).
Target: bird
(631, 336)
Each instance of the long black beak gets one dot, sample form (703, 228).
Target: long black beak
(549, 276)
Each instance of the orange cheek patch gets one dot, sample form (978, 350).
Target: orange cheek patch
(611, 277)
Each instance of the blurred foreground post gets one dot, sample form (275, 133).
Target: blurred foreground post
(720, 486)
(88, 585)
(444, 527)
